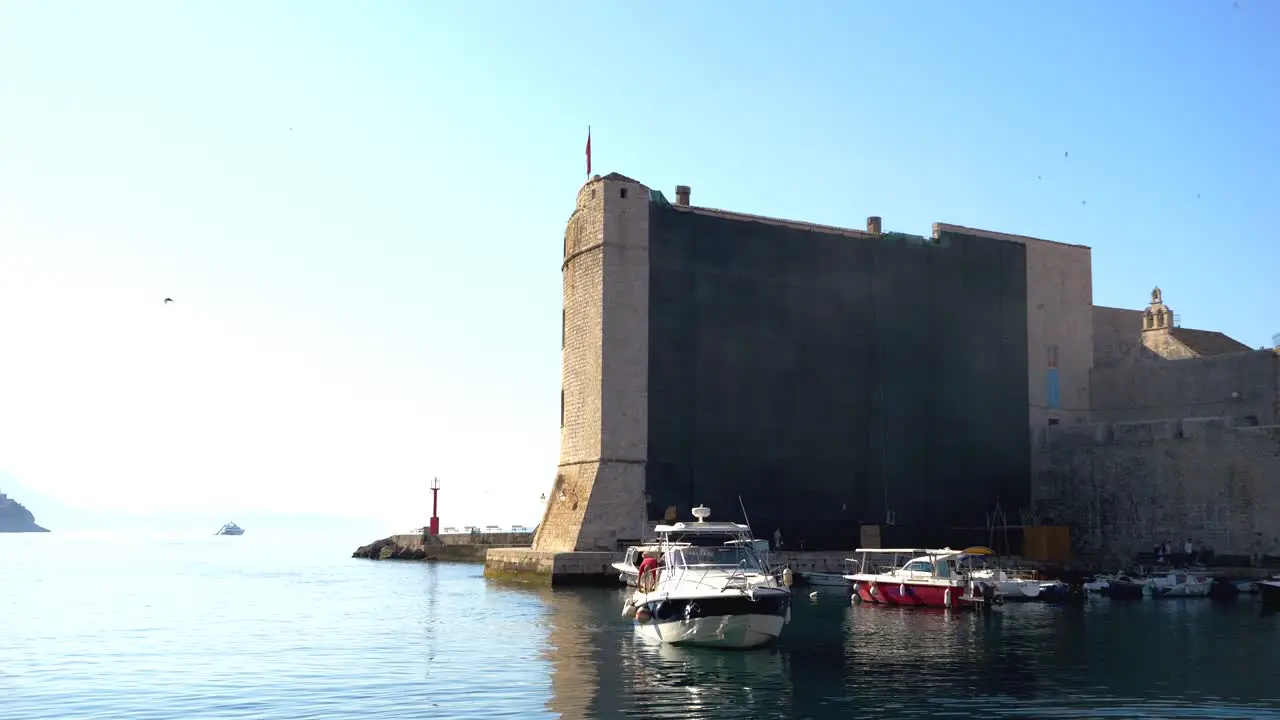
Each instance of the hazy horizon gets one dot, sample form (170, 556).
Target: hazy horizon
(63, 518)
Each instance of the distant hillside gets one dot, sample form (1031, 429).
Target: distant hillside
(16, 518)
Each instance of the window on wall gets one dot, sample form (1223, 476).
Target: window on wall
(561, 408)
(1051, 391)
(563, 320)
(1053, 356)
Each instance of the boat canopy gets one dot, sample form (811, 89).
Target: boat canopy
(922, 553)
(721, 528)
(701, 532)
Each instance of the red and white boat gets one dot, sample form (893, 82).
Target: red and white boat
(927, 578)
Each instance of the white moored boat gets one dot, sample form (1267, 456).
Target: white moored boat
(929, 578)
(1179, 583)
(629, 566)
(824, 579)
(1008, 585)
(712, 588)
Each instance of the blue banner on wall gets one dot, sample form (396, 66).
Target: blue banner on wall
(1052, 393)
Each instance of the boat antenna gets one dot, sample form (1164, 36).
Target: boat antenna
(746, 520)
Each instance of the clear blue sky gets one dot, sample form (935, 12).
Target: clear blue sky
(359, 207)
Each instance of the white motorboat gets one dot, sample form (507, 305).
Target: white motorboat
(1270, 591)
(1008, 585)
(629, 566)
(709, 590)
(824, 579)
(1178, 583)
(1098, 583)
(230, 529)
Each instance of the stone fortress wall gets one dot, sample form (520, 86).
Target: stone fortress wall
(1183, 443)
(1125, 487)
(1114, 401)
(712, 355)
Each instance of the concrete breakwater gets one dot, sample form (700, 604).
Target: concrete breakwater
(469, 547)
(544, 567)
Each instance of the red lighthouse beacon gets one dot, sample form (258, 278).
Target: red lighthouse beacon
(435, 507)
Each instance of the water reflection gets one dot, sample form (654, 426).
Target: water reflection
(663, 681)
(578, 648)
(1158, 659)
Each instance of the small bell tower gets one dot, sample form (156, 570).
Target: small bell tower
(1158, 316)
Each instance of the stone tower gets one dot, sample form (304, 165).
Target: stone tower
(599, 492)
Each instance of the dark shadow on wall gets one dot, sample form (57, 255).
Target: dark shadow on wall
(834, 381)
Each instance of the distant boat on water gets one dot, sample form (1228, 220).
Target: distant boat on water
(230, 529)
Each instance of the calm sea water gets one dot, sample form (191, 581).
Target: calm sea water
(292, 628)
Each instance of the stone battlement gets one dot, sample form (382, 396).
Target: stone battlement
(1101, 434)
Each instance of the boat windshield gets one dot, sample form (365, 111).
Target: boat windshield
(727, 556)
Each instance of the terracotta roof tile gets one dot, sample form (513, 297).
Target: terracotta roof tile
(1207, 343)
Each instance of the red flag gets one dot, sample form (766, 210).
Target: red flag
(588, 151)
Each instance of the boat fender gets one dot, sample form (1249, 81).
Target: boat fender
(788, 577)
(643, 615)
(902, 590)
(627, 608)
(872, 589)
(946, 598)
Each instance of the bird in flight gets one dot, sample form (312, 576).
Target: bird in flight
(168, 300)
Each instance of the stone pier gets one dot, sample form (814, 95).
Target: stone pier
(548, 567)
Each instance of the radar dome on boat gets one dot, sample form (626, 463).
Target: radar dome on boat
(702, 512)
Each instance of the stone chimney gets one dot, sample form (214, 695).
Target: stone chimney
(682, 195)
(873, 225)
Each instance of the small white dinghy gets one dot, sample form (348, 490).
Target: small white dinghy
(822, 579)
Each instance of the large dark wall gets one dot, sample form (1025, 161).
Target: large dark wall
(826, 378)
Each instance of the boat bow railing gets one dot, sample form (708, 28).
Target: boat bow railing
(736, 580)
